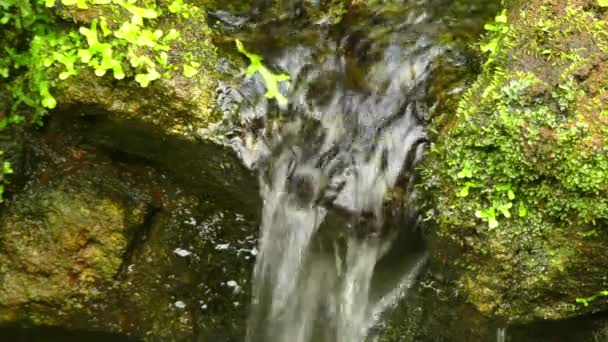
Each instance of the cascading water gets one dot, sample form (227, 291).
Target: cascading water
(331, 162)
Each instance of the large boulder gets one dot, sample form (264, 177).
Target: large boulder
(143, 235)
(518, 178)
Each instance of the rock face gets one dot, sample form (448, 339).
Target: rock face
(95, 240)
(118, 218)
(62, 240)
(181, 92)
(519, 176)
(437, 309)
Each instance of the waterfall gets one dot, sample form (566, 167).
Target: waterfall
(328, 164)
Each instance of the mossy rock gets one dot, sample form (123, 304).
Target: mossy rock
(97, 240)
(435, 309)
(182, 98)
(518, 178)
(62, 239)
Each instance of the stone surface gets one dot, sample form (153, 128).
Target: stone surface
(178, 104)
(518, 177)
(89, 241)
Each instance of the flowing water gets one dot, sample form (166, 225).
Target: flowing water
(340, 241)
(337, 165)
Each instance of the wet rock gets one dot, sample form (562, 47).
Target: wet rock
(90, 241)
(63, 237)
(436, 311)
(518, 176)
(178, 102)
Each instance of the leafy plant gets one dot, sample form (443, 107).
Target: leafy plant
(271, 79)
(38, 52)
(498, 29)
(586, 301)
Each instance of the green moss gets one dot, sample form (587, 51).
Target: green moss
(524, 160)
(65, 55)
(520, 135)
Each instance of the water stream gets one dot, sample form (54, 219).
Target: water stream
(337, 167)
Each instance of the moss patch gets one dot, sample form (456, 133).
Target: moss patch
(520, 172)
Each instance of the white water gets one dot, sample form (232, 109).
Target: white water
(501, 335)
(327, 164)
(306, 288)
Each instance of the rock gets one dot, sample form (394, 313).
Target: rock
(63, 237)
(435, 309)
(178, 102)
(116, 182)
(89, 242)
(519, 176)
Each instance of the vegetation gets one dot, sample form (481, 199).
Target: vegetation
(525, 158)
(586, 301)
(494, 152)
(271, 79)
(122, 38)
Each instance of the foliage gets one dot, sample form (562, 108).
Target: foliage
(40, 50)
(271, 79)
(522, 168)
(518, 135)
(518, 178)
(586, 301)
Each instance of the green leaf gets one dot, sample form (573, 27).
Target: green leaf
(583, 301)
(171, 35)
(104, 27)
(503, 208)
(502, 17)
(145, 79)
(490, 46)
(522, 210)
(270, 79)
(49, 102)
(6, 168)
(85, 55)
(466, 172)
(603, 3)
(176, 6)
(190, 71)
(64, 75)
(82, 4)
(464, 192)
(117, 70)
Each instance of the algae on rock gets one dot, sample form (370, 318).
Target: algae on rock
(154, 62)
(181, 100)
(520, 173)
(97, 241)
